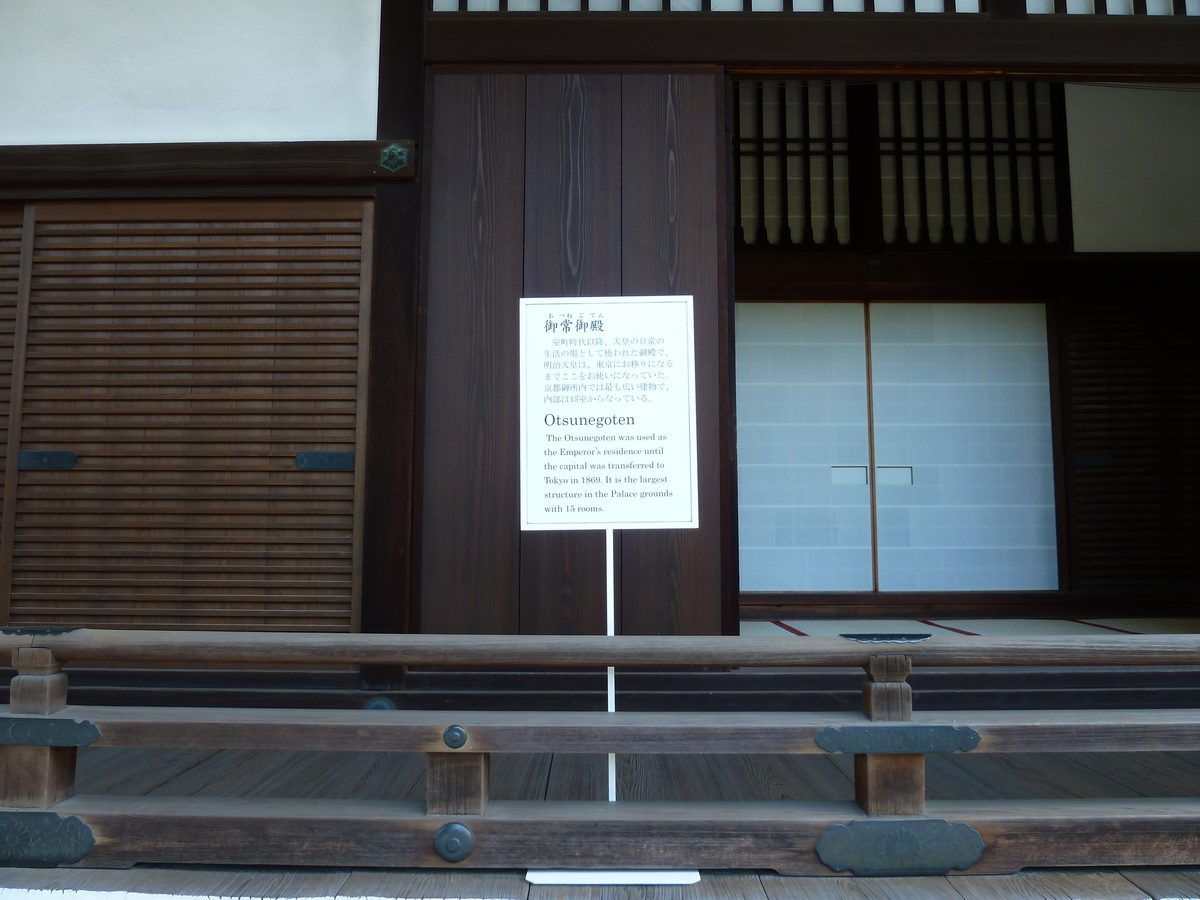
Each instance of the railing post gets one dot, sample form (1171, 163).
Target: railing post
(36, 777)
(457, 784)
(889, 784)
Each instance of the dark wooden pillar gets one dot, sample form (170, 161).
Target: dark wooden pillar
(388, 541)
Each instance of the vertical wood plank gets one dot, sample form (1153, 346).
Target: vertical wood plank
(361, 412)
(8, 509)
(572, 249)
(672, 243)
(36, 777)
(457, 784)
(470, 540)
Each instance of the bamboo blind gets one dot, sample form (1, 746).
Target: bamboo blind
(185, 351)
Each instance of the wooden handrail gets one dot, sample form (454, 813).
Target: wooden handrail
(102, 645)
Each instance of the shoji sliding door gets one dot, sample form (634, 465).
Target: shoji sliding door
(895, 447)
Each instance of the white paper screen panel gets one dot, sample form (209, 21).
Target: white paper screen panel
(964, 474)
(962, 395)
(138, 71)
(804, 503)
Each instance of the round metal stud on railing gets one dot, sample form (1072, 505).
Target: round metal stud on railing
(454, 842)
(455, 737)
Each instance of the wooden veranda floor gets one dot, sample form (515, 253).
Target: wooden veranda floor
(270, 774)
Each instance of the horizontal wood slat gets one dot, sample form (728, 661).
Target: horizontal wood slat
(621, 732)
(597, 650)
(185, 351)
(294, 162)
(10, 258)
(514, 834)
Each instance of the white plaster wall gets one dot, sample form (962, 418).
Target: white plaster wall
(1135, 167)
(133, 71)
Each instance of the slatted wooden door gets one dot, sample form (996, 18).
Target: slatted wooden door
(186, 352)
(11, 231)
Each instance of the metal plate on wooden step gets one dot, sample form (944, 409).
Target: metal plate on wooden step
(43, 839)
(887, 638)
(897, 738)
(40, 731)
(900, 847)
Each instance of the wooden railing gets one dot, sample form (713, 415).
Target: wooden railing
(890, 829)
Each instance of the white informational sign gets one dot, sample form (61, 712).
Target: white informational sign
(608, 413)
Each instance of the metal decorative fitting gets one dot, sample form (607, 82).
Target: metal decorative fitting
(38, 630)
(454, 842)
(900, 847)
(887, 638)
(455, 736)
(897, 739)
(393, 157)
(40, 731)
(380, 703)
(325, 460)
(43, 839)
(47, 459)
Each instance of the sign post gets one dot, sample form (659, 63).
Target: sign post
(608, 422)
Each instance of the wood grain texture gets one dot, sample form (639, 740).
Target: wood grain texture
(199, 881)
(572, 249)
(470, 578)
(635, 834)
(1063, 885)
(1162, 884)
(36, 777)
(671, 244)
(1049, 731)
(457, 784)
(423, 884)
(890, 784)
(99, 645)
(223, 337)
(900, 888)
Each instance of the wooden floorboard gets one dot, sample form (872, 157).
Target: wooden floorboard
(1048, 885)
(189, 881)
(429, 884)
(1166, 883)
(910, 888)
(712, 886)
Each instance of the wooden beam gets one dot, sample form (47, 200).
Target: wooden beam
(1000, 731)
(30, 168)
(764, 277)
(265, 648)
(875, 44)
(780, 836)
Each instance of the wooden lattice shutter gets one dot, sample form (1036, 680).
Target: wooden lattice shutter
(10, 264)
(186, 352)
